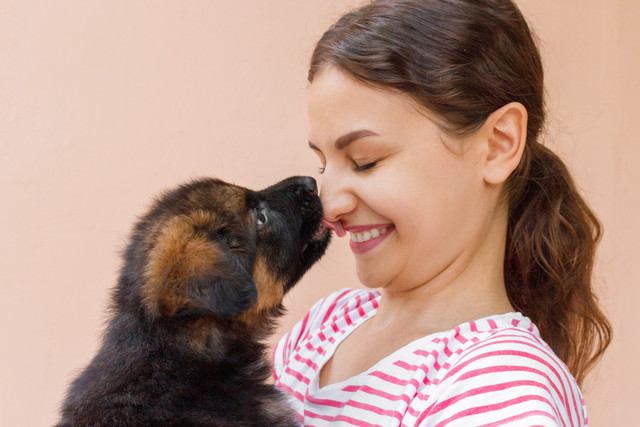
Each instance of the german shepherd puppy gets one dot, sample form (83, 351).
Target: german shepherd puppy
(201, 284)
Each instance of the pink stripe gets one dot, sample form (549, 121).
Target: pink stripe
(409, 367)
(316, 349)
(309, 329)
(348, 318)
(388, 378)
(492, 324)
(376, 392)
(423, 396)
(286, 348)
(494, 407)
(436, 364)
(306, 361)
(273, 362)
(302, 329)
(325, 402)
(508, 368)
(447, 351)
(372, 300)
(375, 304)
(523, 354)
(405, 365)
(333, 304)
(394, 380)
(297, 375)
(497, 339)
(344, 418)
(519, 417)
(458, 336)
(473, 326)
(487, 389)
(359, 305)
(413, 412)
(290, 391)
(549, 353)
(563, 396)
(375, 409)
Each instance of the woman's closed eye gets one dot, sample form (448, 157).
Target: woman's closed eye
(358, 168)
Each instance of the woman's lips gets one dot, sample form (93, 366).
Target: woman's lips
(362, 247)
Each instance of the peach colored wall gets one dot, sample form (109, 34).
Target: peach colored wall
(105, 103)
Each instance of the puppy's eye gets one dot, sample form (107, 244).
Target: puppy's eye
(261, 218)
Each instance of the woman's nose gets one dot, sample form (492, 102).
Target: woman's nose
(337, 202)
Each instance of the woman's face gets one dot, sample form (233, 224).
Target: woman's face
(431, 202)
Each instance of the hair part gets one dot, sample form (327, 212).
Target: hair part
(461, 60)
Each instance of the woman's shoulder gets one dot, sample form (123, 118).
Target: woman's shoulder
(508, 344)
(504, 366)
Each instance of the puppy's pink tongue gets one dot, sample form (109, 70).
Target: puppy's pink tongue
(335, 226)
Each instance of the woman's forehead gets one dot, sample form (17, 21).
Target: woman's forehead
(339, 105)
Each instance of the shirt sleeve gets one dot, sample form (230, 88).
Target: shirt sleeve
(316, 315)
(506, 380)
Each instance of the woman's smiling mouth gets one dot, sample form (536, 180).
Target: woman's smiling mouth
(361, 242)
(363, 237)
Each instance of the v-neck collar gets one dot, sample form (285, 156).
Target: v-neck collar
(500, 320)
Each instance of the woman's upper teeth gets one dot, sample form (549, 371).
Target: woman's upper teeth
(367, 235)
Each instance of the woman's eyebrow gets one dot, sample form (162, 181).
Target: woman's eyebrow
(348, 138)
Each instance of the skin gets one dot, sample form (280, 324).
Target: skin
(443, 263)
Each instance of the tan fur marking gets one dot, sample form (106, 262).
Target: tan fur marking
(178, 255)
(270, 292)
(200, 217)
(203, 336)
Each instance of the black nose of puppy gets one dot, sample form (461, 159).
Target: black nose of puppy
(309, 183)
(307, 186)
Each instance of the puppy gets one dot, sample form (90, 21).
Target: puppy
(199, 289)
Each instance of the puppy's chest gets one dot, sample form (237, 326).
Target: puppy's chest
(235, 405)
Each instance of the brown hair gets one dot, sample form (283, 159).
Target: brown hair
(462, 60)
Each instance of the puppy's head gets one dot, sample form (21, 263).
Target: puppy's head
(214, 250)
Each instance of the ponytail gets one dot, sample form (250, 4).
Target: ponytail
(551, 241)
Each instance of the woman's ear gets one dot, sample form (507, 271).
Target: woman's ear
(505, 133)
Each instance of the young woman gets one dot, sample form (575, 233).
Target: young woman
(474, 245)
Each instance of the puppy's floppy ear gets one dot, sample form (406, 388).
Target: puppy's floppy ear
(188, 274)
(226, 291)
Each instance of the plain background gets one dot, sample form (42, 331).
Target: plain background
(105, 103)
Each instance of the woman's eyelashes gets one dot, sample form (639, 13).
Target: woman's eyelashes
(366, 166)
(358, 168)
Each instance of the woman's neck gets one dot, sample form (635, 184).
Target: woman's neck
(470, 287)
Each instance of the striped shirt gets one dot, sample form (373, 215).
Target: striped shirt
(492, 371)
